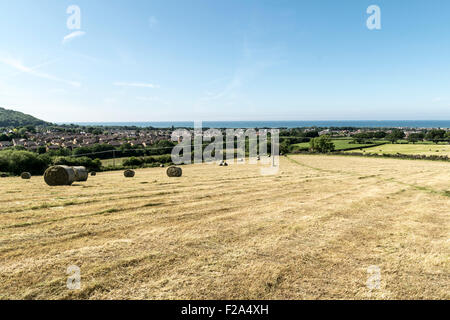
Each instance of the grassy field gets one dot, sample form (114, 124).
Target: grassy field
(425, 149)
(340, 144)
(117, 161)
(311, 232)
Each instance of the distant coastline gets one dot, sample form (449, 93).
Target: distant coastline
(283, 124)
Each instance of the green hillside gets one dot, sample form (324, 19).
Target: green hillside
(11, 118)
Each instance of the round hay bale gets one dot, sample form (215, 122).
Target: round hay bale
(225, 164)
(93, 173)
(59, 176)
(129, 173)
(81, 173)
(25, 175)
(174, 172)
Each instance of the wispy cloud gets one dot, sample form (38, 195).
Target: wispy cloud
(58, 91)
(253, 63)
(153, 99)
(229, 90)
(110, 100)
(136, 84)
(72, 36)
(18, 65)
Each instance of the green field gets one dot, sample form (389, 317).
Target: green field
(419, 149)
(340, 144)
(117, 161)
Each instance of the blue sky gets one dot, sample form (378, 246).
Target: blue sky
(225, 60)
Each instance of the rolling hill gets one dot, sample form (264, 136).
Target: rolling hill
(12, 118)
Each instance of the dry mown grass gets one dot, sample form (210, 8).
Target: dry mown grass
(410, 149)
(220, 233)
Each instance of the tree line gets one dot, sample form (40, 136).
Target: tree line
(434, 135)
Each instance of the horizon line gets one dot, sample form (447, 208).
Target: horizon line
(174, 121)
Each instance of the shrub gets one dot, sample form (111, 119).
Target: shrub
(16, 162)
(137, 162)
(322, 144)
(91, 165)
(133, 162)
(167, 158)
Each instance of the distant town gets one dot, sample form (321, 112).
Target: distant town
(44, 139)
(56, 138)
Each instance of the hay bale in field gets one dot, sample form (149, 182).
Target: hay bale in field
(93, 173)
(25, 175)
(174, 172)
(81, 173)
(129, 173)
(225, 164)
(59, 176)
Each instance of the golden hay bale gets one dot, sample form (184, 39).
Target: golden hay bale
(25, 175)
(59, 176)
(129, 173)
(174, 172)
(81, 173)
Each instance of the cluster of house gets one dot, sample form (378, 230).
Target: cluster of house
(347, 133)
(343, 133)
(52, 140)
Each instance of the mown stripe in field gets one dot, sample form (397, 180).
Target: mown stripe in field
(445, 193)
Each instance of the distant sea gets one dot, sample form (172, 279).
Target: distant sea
(285, 124)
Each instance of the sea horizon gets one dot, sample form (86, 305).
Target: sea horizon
(279, 124)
